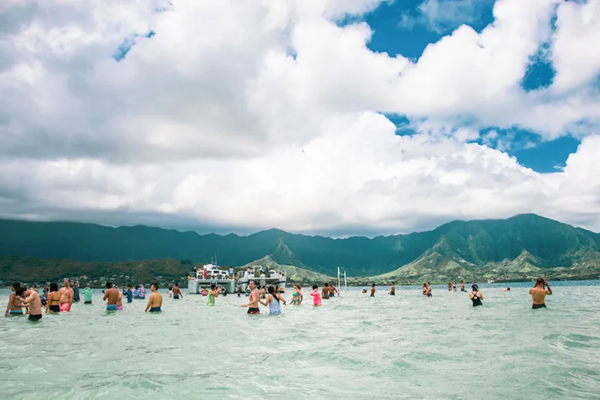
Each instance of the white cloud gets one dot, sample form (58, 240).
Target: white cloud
(262, 114)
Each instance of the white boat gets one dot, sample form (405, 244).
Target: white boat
(214, 276)
(262, 278)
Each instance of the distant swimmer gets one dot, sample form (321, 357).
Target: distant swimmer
(507, 289)
(539, 292)
(476, 296)
(129, 294)
(462, 286)
(53, 305)
(253, 299)
(155, 300)
(393, 289)
(454, 286)
(325, 291)
(31, 298)
(424, 288)
(87, 294)
(373, 290)
(297, 295)
(449, 286)
(111, 296)
(273, 301)
(364, 291)
(76, 292)
(177, 292)
(333, 290)
(66, 296)
(214, 292)
(316, 296)
(14, 306)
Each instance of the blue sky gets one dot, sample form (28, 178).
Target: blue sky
(392, 35)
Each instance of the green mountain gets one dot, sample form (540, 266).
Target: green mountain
(520, 246)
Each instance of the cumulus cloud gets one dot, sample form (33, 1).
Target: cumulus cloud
(269, 114)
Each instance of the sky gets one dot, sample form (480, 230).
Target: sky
(330, 117)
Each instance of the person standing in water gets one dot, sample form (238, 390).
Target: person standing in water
(76, 297)
(539, 292)
(177, 292)
(53, 305)
(455, 286)
(449, 286)
(427, 289)
(87, 294)
(155, 300)
(32, 299)
(212, 294)
(112, 297)
(325, 291)
(476, 296)
(297, 295)
(253, 299)
(14, 306)
(393, 289)
(66, 296)
(273, 301)
(316, 296)
(462, 286)
(129, 294)
(373, 290)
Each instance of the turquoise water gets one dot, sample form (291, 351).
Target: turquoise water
(354, 347)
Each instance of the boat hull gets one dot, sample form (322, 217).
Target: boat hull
(195, 286)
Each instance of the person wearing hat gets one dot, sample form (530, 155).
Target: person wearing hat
(476, 296)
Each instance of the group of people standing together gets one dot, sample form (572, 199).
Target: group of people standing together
(273, 298)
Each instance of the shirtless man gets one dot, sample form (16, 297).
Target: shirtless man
(373, 290)
(32, 299)
(538, 293)
(14, 304)
(112, 297)
(393, 289)
(155, 300)
(325, 292)
(177, 292)
(252, 299)
(462, 286)
(66, 296)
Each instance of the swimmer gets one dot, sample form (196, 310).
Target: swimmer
(424, 289)
(263, 292)
(214, 292)
(66, 296)
(112, 297)
(364, 291)
(155, 300)
(204, 292)
(539, 292)
(253, 299)
(373, 290)
(273, 301)
(297, 295)
(177, 292)
(427, 289)
(87, 294)
(507, 289)
(53, 305)
(170, 291)
(129, 294)
(392, 290)
(316, 296)
(476, 296)
(333, 290)
(32, 299)
(449, 286)
(325, 291)
(14, 306)
(462, 286)
(455, 286)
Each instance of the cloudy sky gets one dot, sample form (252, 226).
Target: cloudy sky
(334, 117)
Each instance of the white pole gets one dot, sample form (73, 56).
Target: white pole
(345, 283)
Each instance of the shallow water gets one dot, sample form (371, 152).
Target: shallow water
(354, 347)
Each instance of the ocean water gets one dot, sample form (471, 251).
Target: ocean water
(353, 347)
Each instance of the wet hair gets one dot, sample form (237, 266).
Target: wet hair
(393, 283)
(20, 290)
(273, 293)
(424, 283)
(53, 287)
(315, 286)
(155, 284)
(177, 284)
(109, 285)
(16, 285)
(507, 288)
(540, 280)
(170, 288)
(326, 284)
(475, 287)
(213, 286)
(373, 285)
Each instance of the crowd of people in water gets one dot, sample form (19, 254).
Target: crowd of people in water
(57, 300)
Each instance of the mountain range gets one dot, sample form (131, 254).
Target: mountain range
(507, 249)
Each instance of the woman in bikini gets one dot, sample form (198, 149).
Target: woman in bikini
(297, 296)
(53, 304)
